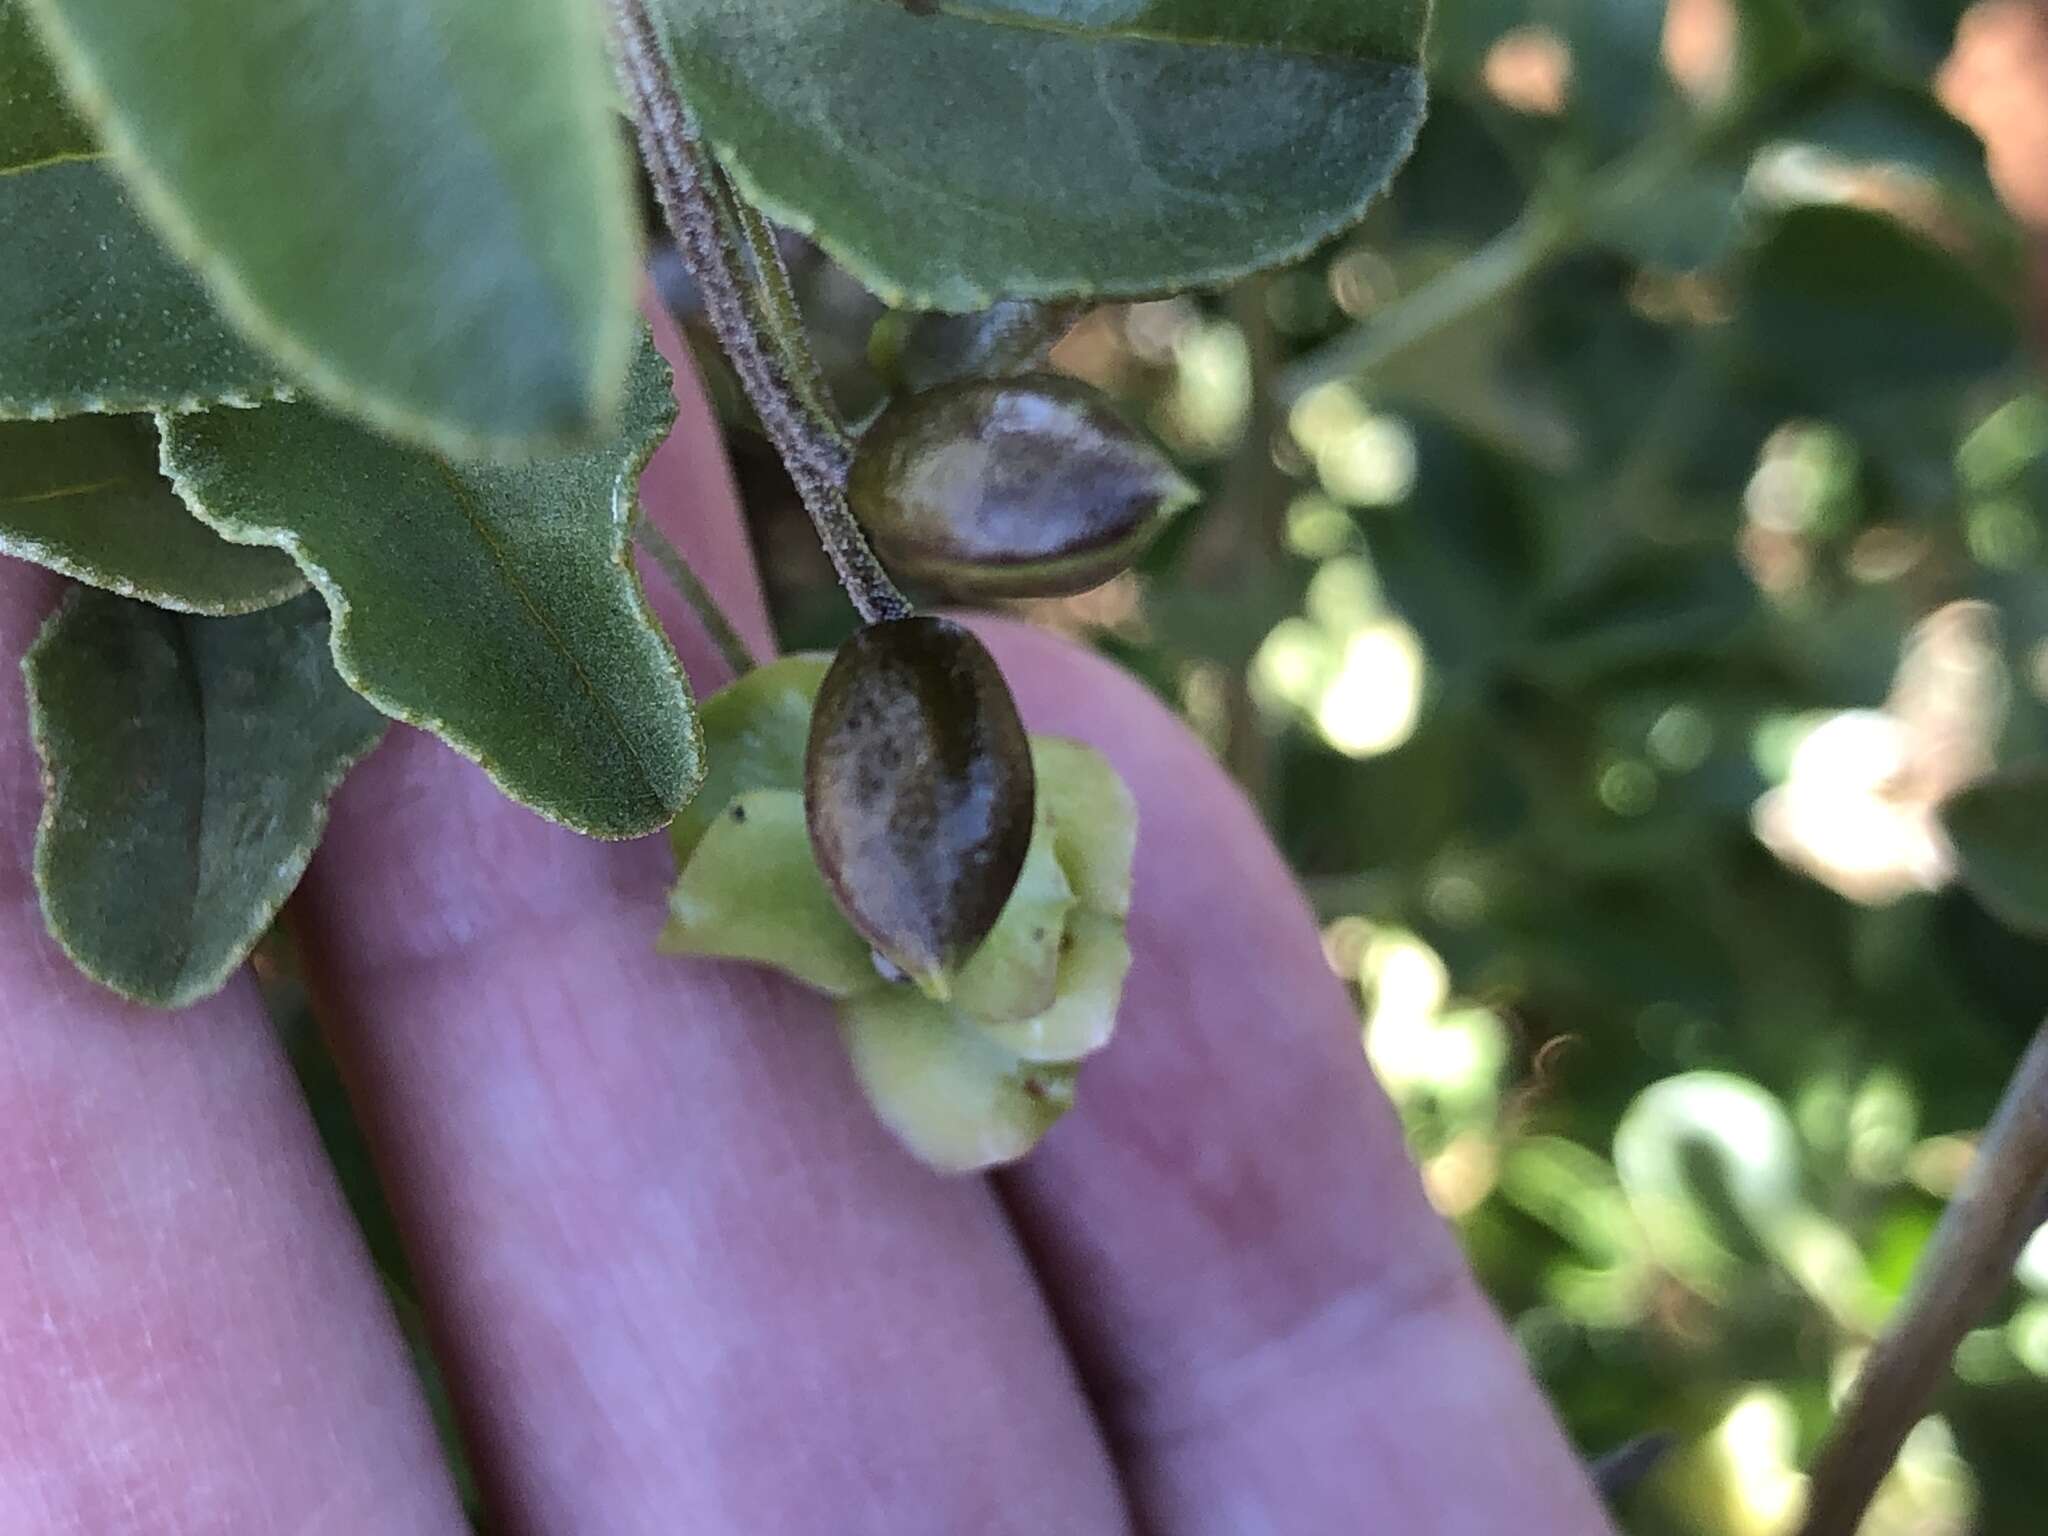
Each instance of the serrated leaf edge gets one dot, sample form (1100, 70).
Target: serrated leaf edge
(625, 513)
(36, 553)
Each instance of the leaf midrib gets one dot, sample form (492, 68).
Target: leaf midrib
(1044, 26)
(59, 493)
(460, 494)
(62, 157)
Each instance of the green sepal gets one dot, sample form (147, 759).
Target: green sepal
(1015, 972)
(968, 1079)
(954, 1097)
(1093, 818)
(751, 891)
(1094, 960)
(754, 733)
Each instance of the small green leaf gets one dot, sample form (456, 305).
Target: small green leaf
(1094, 959)
(957, 1099)
(751, 891)
(420, 205)
(189, 763)
(95, 315)
(1999, 827)
(754, 734)
(495, 605)
(951, 154)
(84, 497)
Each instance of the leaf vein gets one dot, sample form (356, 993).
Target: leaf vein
(461, 496)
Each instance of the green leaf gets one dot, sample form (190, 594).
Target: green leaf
(950, 1093)
(1618, 85)
(36, 123)
(1887, 124)
(95, 315)
(84, 497)
(189, 763)
(1847, 305)
(952, 154)
(420, 205)
(752, 891)
(1999, 827)
(495, 605)
(1771, 39)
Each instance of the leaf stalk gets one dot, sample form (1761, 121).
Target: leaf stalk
(750, 306)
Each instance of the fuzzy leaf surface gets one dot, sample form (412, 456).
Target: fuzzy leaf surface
(189, 763)
(419, 205)
(494, 605)
(95, 313)
(954, 153)
(83, 496)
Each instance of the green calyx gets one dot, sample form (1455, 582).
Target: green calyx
(965, 1080)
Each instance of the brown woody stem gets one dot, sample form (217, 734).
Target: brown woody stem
(1968, 1263)
(746, 301)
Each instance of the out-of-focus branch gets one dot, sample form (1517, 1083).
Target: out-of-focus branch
(1969, 1261)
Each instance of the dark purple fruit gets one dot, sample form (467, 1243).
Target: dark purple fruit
(1031, 486)
(918, 791)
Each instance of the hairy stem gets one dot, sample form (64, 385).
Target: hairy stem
(712, 239)
(1968, 1262)
(732, 648)
(785, 316)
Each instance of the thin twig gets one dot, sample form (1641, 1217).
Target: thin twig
(1968, 1263)
(1549, 228)
(1478, 282)
(710, 239)
(785, 315)
(732, 646)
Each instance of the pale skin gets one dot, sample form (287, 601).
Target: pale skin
(679, 1279)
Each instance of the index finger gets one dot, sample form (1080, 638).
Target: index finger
(1277, 1328)
(191, 1335)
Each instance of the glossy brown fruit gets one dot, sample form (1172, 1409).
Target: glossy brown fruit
(919, 792)
(915, 352)
(1031, 486)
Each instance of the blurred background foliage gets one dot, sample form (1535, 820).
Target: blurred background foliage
(1615, 551)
